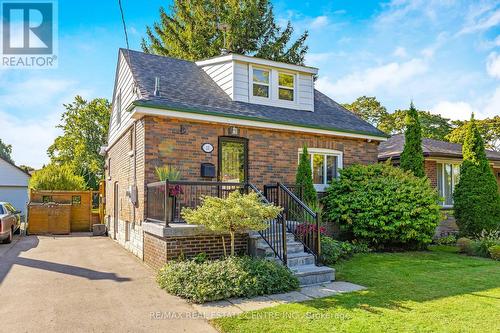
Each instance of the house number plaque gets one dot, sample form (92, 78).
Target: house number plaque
(207, 147)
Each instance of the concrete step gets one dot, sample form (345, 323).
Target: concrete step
(291, 247)
(312, 274)
(289, 236)
(298, 259)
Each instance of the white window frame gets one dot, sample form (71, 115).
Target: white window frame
(119, 108)
(443, 164)
(269, 84)
(293, 89)
(325, 152)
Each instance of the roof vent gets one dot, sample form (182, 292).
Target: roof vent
(157, 86)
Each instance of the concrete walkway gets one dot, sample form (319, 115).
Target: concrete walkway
(237, 306)
(81, 283)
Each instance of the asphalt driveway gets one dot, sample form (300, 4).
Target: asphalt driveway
(83, 283)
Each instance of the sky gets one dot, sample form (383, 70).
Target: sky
(442, 55)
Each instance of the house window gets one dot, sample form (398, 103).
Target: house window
(448, 175)
(119, 108)
(261, 83)
(286, 86)
(325, 165)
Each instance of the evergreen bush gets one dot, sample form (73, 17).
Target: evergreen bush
(412, 157)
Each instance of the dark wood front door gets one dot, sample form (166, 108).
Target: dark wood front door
(233, 160)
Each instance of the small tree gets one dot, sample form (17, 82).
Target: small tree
(304, 179)
(412, 157)
(57, 177)
(476, 197)
(236, 213)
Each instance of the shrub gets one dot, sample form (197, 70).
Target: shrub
(333, 250)
(383, 206)
(476, 196)
(58, 178)
(447, 240)
(221, 279)
(412, 157)
(495, 252)
(481, 246)
(236, 213)
(464, 245)
(304, 179)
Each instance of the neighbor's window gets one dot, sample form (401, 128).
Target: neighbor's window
(285, 86)
(325, 165)
(261, 83)
(119, 107)
(448, 175)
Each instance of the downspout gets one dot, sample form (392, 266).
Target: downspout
(135, 170)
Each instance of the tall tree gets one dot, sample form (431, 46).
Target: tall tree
(57, 178)
(85, 127)
(476, 197)
(412, 157)
(489, 129)
(433, 125)
(369, 109)
(6, 151)
(304, 179)
(198, 29)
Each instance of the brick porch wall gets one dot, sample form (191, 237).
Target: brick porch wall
(431, 171)
(158, 250)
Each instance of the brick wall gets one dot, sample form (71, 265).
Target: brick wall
(431, 171)
(158, 250)
(121, 161)
(273, 155)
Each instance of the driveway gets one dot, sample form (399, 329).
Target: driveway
(83, 283)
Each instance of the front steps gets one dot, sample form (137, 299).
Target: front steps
(299, 262)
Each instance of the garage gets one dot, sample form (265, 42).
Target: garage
(14, 185)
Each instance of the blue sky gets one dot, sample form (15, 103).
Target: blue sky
(443, 55)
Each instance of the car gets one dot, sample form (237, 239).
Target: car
(10, 221)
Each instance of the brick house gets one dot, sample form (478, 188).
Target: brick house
(442, 166)
(239, 118)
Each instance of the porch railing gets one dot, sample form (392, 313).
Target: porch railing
(166, 199)
(301, 221)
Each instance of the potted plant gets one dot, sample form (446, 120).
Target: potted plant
(170, 173)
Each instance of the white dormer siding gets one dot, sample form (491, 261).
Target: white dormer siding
(235, 75)
(123, 95)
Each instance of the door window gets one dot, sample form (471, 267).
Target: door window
(232, 160)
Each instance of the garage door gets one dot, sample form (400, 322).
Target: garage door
(17, 196)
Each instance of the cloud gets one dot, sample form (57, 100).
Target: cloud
(29, 138)
(493, 65)
(454, 110)
(481, 17)
(319, 22)
(400, 52)
(373, 80)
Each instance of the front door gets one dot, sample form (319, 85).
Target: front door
(233, 160)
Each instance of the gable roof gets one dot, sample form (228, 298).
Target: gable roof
(184, 86)
(15, 166)
(393, 147)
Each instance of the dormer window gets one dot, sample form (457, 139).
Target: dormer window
(261, 83)
(285, 86)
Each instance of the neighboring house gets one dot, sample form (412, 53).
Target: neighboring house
(442, 166)
(14, 185)
(245, 118)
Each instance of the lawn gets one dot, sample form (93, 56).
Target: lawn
(435, 291)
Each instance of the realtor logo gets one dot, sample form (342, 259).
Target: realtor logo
(28, 34)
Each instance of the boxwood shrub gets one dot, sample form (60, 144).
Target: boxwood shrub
(383, 206)
(203, 281)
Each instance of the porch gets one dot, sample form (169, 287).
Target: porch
(293, 238)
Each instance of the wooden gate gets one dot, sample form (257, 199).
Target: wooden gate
(60, 211)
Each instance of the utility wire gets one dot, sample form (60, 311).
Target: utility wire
(124, 25)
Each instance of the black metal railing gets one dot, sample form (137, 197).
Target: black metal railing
(275, 233)
(301, 221)
(270, 190)
(165, 200)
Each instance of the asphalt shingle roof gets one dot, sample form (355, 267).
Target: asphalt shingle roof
(393, 147)
(185, 86)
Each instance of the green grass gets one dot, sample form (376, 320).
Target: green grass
(435, 291)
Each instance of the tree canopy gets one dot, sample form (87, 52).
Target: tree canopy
(200, 29)
(412, 157)
(57, 178)
(85, 128)
(6, 151)
(369, 109)
(476, 197)
(489, 129)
